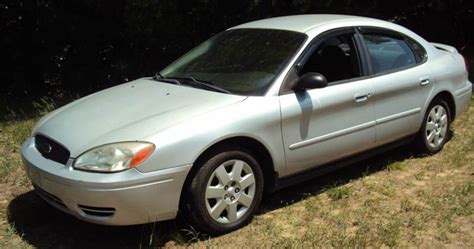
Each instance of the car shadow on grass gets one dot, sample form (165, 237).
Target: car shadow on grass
(43, 226)
(321, 184)
(354, 171)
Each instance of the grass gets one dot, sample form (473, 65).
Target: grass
(12, 134)
(336, 193)
(397, 166)
(396, 199)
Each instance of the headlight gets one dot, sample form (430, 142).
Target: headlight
(114, 157)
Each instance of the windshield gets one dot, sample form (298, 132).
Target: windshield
(242, 61)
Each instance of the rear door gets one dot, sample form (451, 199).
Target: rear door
(401, 80)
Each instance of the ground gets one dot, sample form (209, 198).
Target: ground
(397, 199)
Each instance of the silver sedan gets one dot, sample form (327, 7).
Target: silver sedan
(255, 108)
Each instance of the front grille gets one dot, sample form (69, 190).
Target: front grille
(97, 211)
(51, 149)
(49, 197)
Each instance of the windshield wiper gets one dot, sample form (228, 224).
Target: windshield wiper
(179, 81)
(159, 77)
(195, 81)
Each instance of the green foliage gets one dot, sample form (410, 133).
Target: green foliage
(336, 193)
(397, 166)
(44, 105)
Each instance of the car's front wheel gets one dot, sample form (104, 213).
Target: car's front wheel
(225, 192)
(434, 131)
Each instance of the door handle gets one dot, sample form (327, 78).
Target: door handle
(424, 82)
(361, 98)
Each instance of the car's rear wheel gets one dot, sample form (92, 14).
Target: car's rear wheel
(225, 192)
(434, 131)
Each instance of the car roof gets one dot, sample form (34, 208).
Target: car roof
(303, 23)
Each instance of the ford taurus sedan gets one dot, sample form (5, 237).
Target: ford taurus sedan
(255, 108)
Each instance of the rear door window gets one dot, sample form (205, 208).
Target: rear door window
(389, 53)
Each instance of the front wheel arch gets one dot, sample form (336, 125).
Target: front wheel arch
(256, 148)
(193, 188)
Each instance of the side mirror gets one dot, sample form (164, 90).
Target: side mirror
(311, 81)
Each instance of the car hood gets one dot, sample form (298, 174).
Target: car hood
(127, 112)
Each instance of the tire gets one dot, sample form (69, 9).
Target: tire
(219, 199)
(435, 128)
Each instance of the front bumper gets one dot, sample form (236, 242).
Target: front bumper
(123, 198)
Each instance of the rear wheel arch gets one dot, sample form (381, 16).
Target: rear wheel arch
(448, 97)
(434, 132)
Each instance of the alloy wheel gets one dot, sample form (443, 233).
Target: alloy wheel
(230, 191)
(436, 126)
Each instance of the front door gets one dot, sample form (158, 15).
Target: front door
(321, 125)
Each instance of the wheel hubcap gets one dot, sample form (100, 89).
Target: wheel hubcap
(436, 126)
(230, 191)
